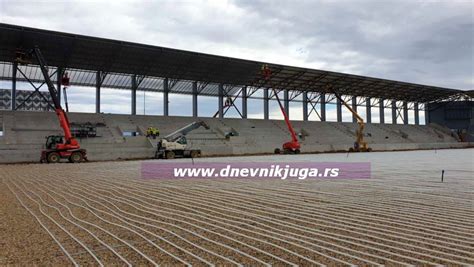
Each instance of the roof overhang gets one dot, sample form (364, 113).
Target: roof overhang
(83, 56)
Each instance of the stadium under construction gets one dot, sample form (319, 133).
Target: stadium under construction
(102, 63)
(103, 212)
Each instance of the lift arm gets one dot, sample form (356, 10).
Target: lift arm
(185, 130)
(358, 117)
(267, 75)
(62, 116)
(287, 120)
(360, 144)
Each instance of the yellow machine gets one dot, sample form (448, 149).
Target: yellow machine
(152, 132)
(360, 145)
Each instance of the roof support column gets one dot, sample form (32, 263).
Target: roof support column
(221, 101)
(244, 102)
(323, 106)
(382, 111)
(59, 76)
(354, 107)
(417, 114)
(405, 112)
(97, 91)
(286, 103)
(394, 112)
(13, 94)
(165, 97)
(195, 99)
(339, 110)
(134, 95)
(427, 114)
(265, 104)
(305, 106)
(368, 107)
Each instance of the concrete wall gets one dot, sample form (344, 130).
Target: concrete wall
(24, 135)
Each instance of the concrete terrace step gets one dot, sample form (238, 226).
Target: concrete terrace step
(24, 134)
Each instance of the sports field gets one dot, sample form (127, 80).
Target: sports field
(104, 213)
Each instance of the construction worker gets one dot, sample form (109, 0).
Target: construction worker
(152, 132)
(267, 73)
(228, 102)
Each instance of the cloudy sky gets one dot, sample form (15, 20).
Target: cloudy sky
(427, 42)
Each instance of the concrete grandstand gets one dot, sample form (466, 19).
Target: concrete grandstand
(23, 135)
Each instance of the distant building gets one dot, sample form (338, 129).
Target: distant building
(36, 102)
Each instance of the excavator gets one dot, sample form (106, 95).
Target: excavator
(293, 146)
(360, 145)
(57, 146)
(175, 144)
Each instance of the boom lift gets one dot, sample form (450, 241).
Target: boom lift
(360, 145)
(57, 147)
(175, 144)
(293, 146)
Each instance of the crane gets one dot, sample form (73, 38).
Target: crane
(57, 146)
(360, 145)
(293, 146)
(174, 144)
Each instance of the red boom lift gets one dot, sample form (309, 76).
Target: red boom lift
(57, 147)
(293, 146)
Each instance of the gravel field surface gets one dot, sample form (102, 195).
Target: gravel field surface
(104, 213)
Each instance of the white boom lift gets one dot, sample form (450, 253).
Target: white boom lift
(175, 144)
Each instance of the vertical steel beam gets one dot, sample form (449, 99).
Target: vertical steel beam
(305, 106)
(354, 107)
(382, 111)
(244, 102)
(165, 97)
(13, 93)
(98, 83)
(323, 106)
(59, 76)
(427, 114)
(134, 94)
(339, 110)
(195, 99)
(394, 112)
(405, 112)
(368, 107)
(221, 101)
(265, 104)
(286, 102)
(417, 114)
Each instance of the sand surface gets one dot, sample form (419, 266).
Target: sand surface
(105, 213)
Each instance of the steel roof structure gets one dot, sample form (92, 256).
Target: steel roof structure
(84, 56)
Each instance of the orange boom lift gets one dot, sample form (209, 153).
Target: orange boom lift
(293, 146)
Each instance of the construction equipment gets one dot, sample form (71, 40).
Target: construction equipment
(293, 146)
(84, 130)
(57, 146)
(360, 145)
(175, 144)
